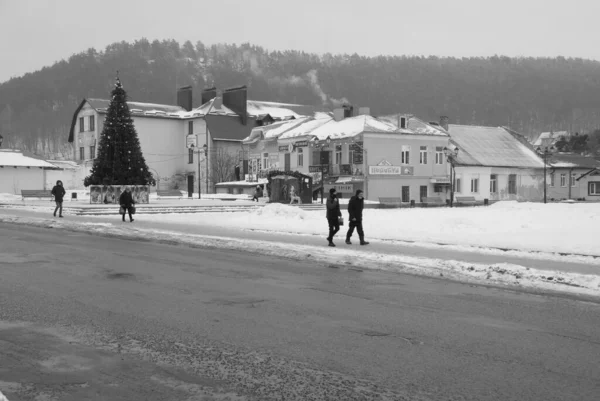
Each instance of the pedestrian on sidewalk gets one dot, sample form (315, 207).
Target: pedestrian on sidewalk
(126, 201)
(355, 211)
(59, 194)
(334, 215)
(258, 193)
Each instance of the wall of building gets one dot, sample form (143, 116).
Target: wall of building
(387, 149)
(464, 177)
(530, 184)
(577, 189)
(71, 178)
(13, 180)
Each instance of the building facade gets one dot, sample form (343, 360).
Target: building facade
(573, 176)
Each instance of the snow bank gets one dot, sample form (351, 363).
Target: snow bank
(552, 228)
(499, 274)
(9, 198)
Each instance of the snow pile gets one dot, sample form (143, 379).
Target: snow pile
(279, 212)
(498, 274)
(9, 198)
(3, 397)
(552, 228)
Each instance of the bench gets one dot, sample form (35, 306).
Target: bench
(170, 193)
(36, 193)
(391, 201)
(465, 199)
(433, 200)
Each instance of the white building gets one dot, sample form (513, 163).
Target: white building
(20, 171)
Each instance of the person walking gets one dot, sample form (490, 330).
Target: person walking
(258, 193)
(355, 210)
(59, 194)
(333, 215)
(126, 202)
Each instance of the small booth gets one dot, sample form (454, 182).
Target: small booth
(289, 187)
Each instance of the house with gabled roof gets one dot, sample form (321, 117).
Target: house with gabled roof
(23, 171)
(495, 163)
(167, 133)
(573, 176)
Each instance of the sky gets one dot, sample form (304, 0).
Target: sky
(38, 33)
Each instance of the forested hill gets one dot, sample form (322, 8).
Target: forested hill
(528, 94)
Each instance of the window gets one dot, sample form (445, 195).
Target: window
(190, 155)
(493, 184)
(350, 156)
(439, 155)
(265, 161)
(190, 127)
(457, 185)
(512, 184)
(573, 178)
(92, 123)
(474, 185)
(552, 179)
(338, 154)
(82, 153)
(300, 157)
(92, 152)
(594, 188)
(316, 157)
(81, 124)
(405, 154)
(423, 155)
(563, 180)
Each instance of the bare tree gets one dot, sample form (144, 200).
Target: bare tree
(223, 166)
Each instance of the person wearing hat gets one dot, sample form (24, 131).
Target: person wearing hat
(355, 210)
(334, 215)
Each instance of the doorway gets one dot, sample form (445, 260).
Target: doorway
(190, 185)
(423, 192)
(288, 161)
(405, 194)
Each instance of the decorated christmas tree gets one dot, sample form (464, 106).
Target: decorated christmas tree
(119, 160)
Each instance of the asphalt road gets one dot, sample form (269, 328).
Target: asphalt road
(93, 318)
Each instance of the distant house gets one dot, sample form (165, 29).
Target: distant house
(573, 176)
(547, 139)
(19, 170)
(497, 164)
(166, 133)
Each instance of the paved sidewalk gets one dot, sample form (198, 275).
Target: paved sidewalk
(376, 246)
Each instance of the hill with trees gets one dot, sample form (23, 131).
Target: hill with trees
(530, 95)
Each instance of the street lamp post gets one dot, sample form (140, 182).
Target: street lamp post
(324, 171)
(451, 157)
(545, 152)
(205, 151)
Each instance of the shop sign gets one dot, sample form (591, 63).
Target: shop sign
(283, 148)
(344, 187)
(391, 170)
(301, 144)
(320, 168)
(191, 140)
(440, 180)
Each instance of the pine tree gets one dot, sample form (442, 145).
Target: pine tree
(119, 160)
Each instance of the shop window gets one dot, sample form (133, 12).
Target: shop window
(512, 184)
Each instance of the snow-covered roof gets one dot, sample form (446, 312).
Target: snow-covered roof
(572, 160)
(15, 158)
(307, 127)
(136, 108)
(352, 126)
(64, 164)
(276, 110)
(547, 138)
(242, 183)
(492, 146)
(415, 126)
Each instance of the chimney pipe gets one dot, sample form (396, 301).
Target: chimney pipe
(208, 94)
(237, 100)
(184, 97)
(444, 122)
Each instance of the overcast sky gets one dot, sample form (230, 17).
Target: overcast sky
(37, 33)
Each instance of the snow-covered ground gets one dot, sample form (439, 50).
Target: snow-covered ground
(552, 228)
(501, 274)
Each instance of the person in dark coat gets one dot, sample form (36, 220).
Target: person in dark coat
(59, 194)
(355, 211)
(126, 202)
(333, 215)
(258, 193)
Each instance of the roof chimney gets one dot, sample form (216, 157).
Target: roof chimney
(338, 114)
(208, 94)
(348, 110)
(364, 111)
(237, 100)
(444, 122)
(184, 97)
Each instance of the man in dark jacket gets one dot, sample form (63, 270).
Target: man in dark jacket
(333, 215)
(355, 210)
(59, 193)
(126, 201)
